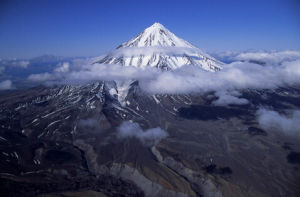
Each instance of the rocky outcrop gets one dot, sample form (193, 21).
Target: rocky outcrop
(202, 185)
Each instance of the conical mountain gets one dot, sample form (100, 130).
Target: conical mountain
(158, 47)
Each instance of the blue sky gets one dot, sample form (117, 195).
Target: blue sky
(90, 28)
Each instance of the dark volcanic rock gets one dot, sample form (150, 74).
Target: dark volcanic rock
(108, 185)
(294, 157)
(211, 168)
(210, 112)
(225, 170)
(256, 131)
(59, 157)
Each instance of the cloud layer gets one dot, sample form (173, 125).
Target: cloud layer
(188, 79)
(273, 57)
(14, 63)
(281, 69)
(269, 57)
(237, 75)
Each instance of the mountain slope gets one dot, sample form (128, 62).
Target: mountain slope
(58, 139)
(157, 47)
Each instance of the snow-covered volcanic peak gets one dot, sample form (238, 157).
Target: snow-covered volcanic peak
(156, 35)
(157, 47)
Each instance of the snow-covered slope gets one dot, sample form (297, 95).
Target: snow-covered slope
(157, 47)
(156, 35)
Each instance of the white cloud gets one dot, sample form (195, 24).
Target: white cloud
(22, 64)
(237, 75)
(62, 67)
(91, 72)
(274, 121)
(133, 130)
(41, 77)
(229, 97)
(6, 85)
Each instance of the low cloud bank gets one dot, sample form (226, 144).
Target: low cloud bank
(263, 57)
(237, 75)
(272, 120)
(37, 70)
(269, 57)
(148, 137)
(6, 85)
(14, 63)
(90, 72)
(187, 79)
(283, 70)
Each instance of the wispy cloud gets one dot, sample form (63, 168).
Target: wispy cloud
(137, 51)
(148, 137)
(272, 120)
(6, 85)
(42, 77)
(14, 63)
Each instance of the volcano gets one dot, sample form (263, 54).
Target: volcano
(113, 138)
(158, 47)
